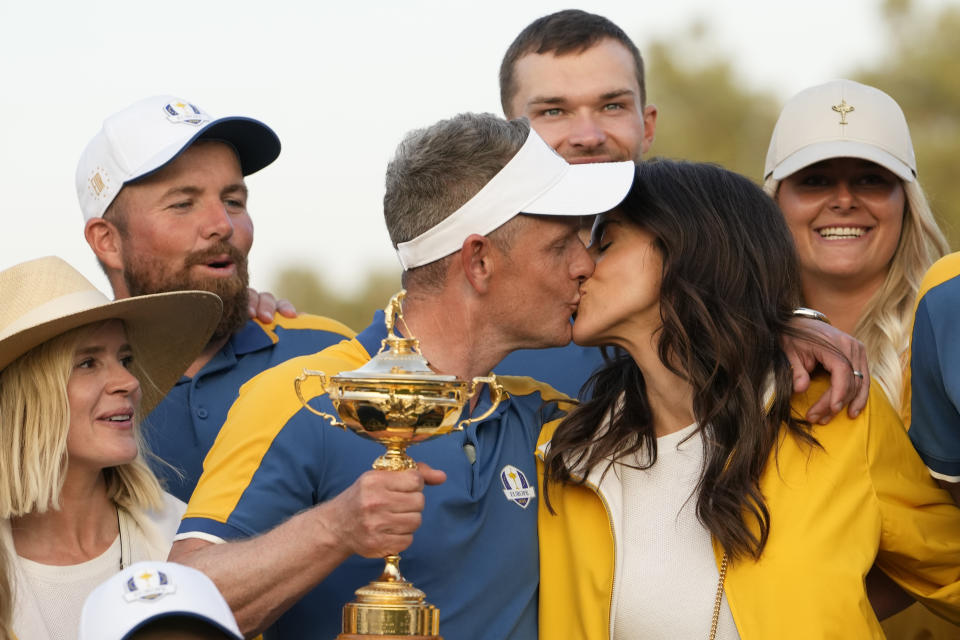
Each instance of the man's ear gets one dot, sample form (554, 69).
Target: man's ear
(104, 238)
(649, 127)
(477, 258)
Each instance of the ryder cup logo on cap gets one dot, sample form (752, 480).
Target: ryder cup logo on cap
(149, 591)
(840, 119)
(148, 135)
(516, 486)
(536, 181)
(186, 113)
(148, 584)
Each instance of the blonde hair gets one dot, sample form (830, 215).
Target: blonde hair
(34, 421)
(884, 325)
(6, 597)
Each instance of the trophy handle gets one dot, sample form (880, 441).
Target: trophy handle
(497, 393)
(323, 381)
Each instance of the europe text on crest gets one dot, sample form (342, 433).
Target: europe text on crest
(148, 585)
(516, 486)
(185, 112)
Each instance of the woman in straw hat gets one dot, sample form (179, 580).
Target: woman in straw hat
(689, 497)
(77, 371)
(842, 168)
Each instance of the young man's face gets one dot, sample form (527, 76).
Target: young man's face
(585, 105)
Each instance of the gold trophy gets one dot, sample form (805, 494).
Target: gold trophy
(395, 399)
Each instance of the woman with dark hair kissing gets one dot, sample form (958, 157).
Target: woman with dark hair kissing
(688, 498)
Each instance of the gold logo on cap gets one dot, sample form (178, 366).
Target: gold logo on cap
(97, 183)
(843, 109)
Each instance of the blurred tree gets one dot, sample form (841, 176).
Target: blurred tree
(921, 70)
(706, 113)
(709, 114)
(309, 294)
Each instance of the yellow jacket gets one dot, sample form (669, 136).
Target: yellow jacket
(865, 495)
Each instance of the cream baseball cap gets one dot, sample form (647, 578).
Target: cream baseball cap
(148, 591)
(148, 134)
(841, 119)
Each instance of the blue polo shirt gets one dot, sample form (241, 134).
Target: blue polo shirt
(935, 370)
(476, 553)
(564, 368)
(182, 428)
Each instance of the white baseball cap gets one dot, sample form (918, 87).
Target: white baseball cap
(841, 119)
(148, 134)
(536, 180)
(148, 591)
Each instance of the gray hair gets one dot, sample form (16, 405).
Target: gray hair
(436, 170)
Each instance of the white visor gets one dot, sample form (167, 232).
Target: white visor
(535, 181)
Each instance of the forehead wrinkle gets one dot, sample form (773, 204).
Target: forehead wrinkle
(189, 190)
(547, 100)
(237, 187)
(617, 93)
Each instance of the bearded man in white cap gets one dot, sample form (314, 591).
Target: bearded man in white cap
(484, 216)
(163, 197)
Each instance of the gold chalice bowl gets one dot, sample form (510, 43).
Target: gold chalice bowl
(397, 400)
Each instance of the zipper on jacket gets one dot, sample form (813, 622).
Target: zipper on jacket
(613, 584)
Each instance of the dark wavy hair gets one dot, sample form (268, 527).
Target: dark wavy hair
(729, 285)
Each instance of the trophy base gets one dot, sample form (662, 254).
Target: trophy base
(363, 636)
(390, 608)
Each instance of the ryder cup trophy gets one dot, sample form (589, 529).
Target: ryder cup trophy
(396, 400)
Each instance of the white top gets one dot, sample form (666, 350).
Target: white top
(147, 535)
(61, 590)
(667, 577)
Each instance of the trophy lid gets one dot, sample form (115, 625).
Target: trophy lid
(399, 358)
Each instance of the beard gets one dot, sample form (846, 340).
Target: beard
(145, 275)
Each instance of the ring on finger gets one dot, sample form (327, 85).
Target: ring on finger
(858, 374)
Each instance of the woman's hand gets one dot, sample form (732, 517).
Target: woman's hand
(846, 387)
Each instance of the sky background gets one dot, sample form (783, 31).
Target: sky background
(340, 83)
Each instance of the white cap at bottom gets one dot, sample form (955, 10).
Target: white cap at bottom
(148, 591)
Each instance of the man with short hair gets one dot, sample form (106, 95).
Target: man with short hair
(162, 192)
(580, 81)
(484, 217)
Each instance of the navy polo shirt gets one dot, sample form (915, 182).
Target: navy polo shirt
(564, 368)
(935, 371)
(182, 428)
(476, 553)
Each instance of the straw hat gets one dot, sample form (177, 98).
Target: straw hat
(46, 297)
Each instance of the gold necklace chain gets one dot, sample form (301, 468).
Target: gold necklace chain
(716, 603)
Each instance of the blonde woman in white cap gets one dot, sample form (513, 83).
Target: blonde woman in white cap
(77, 500)
(842, 168)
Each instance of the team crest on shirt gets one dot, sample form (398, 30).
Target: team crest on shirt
(516, 486)
(148, 585)
(185, 112)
